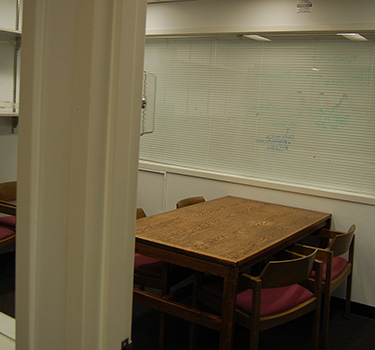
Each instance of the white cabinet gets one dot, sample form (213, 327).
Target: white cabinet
(10, 44)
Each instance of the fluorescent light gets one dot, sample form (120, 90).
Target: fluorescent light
(256, 37)
(353, 36)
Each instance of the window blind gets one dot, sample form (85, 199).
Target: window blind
(298, 110)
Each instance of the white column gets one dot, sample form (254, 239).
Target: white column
(81, 80)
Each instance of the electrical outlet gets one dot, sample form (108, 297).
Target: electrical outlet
(125, 345)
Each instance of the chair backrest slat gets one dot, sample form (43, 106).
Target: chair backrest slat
(341, 242)
(8, 191)
(284, 273)
(189, 201)
(140, 213)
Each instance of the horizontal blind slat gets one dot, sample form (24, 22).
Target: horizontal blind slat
(296, 111)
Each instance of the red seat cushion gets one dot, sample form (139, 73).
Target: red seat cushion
(150, 267)
(147, 266)
(273, 300)
(5, 233)
(9, 221)
(338, 265)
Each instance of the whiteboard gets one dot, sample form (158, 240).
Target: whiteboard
(297, 109)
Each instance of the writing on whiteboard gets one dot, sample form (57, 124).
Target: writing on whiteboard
(282, 75)
(331, 118)
(276, 142)
(348, 59)
(285, 124)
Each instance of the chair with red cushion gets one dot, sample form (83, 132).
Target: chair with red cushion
(8, 196)
(8, 221)
(274, 297)
(7, 237)
(336, 269)
(8, 192)
(157, 274)
(141, 213)
(153, 273)
(189, 201)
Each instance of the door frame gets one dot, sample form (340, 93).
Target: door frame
(81, 74)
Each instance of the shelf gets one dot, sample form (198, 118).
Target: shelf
(10, 45)
(9, 34)
(14, 119)
(8, 114)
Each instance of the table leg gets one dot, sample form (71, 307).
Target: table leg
(193, 326)
(229, 301)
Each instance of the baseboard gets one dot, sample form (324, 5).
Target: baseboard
(355, 308)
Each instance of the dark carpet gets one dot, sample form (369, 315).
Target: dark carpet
(357, 333)
(7, 283)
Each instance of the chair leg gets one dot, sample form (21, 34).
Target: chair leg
(325, 320)
(316, 328)
(164, 290)
(254, 340)
(348, 295)
(194, 303)
(161, 332)
(193, 336)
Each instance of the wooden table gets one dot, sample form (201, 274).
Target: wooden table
(222, 237)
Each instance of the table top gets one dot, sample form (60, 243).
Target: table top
(229, 230)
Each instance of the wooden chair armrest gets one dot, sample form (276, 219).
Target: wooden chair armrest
(290, 254)
(248, 281)
(12, 203)
(325, 255)
(322, 254)
(302, 249)
(7, 208)
(327, 233)
(311, 283)
(318, 267)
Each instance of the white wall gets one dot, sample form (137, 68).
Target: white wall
(224, 16)
(160, 191)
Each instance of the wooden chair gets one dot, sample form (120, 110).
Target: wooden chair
(7, 237)
(8, 195)
(140, 213)
(189, 201)
(8, 191)
(336, 269)
(148, 271)
(153, 273)
(8, 220)
(274, 297)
